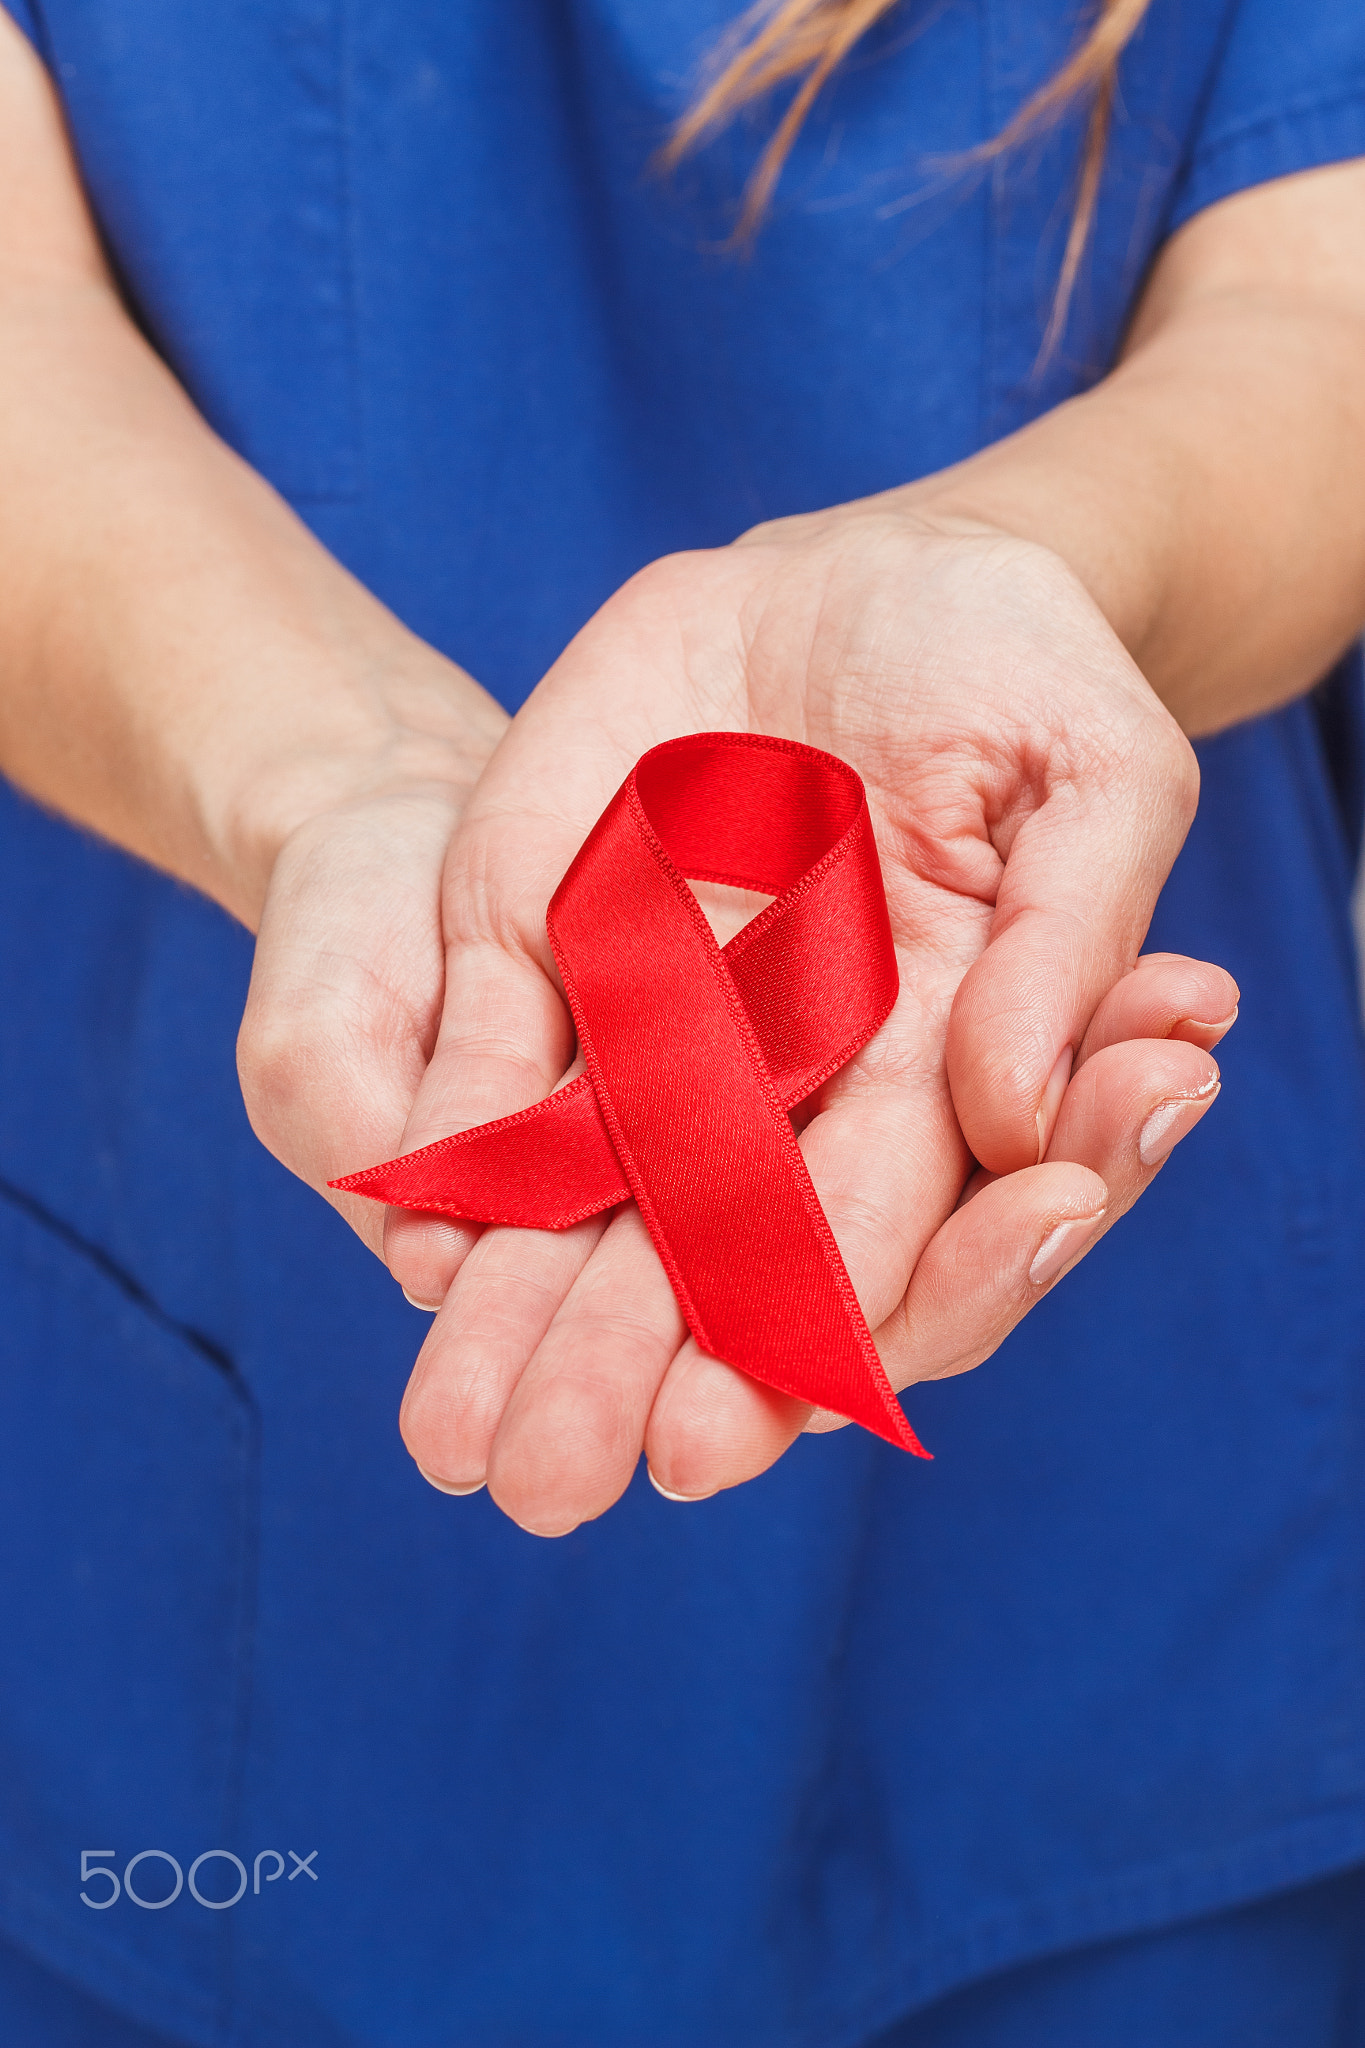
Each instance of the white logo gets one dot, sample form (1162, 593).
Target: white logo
(95, 1863)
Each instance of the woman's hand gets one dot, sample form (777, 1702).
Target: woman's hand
(187, 671)
(349, 972)
(1029, 794)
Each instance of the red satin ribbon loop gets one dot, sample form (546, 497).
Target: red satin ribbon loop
(695, 1054)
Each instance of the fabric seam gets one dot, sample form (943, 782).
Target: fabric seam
(1290, 116)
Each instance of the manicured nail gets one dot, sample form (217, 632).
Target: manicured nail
(445, 1486)
(1059, 1246)
(428, 1308)
(668, 1493)
(1169, 1122)
(1052, 1100)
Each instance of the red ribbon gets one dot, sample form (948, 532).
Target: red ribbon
(695, 1054)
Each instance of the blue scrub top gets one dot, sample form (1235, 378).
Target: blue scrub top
(767, 1772)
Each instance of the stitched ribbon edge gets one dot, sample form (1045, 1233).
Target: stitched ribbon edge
(594, 1083)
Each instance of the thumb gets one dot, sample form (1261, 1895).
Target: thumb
(345, 989)
(505, 1035)
(1080, 882)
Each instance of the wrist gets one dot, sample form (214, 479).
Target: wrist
(1102, 482)
(954, 547)
(982, 507)
(321, 732)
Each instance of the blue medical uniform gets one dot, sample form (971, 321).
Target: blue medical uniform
(776, 1771)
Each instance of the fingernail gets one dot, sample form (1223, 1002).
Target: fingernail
(1219, 1028)
(1171, 1121)
(428, 1308)
(668, 1493)
(445, 1486)
(1059, 1246)
(1052, 1100)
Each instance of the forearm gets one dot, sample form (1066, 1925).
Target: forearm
(1210, 493)
(183, 667)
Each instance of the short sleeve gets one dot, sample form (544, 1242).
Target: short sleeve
(1288, 95)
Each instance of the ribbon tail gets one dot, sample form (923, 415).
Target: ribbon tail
(545, 1168)
(864, 1396)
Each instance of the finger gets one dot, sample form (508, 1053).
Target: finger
(1166, 996)
(500, 1304)
(345, 993)
(1127, 1110)
(1123, 1115)
(988, 1266)
(712, 1427)
(505, 1037)
(970, 1286)
(622, 1310)
(887, 1160)
(505, 1034)
(978, 1275)
(570, 1438)
(612, 1357)
(1081, 876)
(503, 1042)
